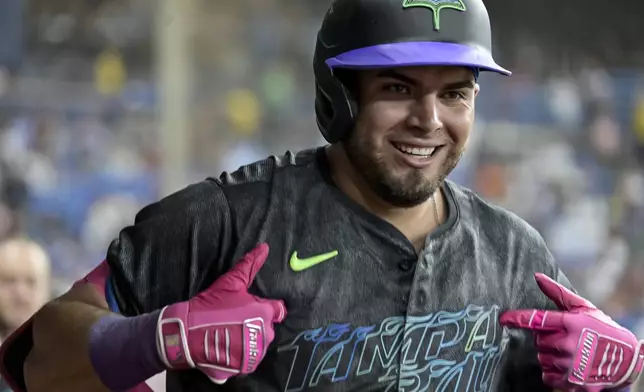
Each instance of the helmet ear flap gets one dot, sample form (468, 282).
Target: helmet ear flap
(324, 112)
(335, 107)
(349, 79)
(323, 105)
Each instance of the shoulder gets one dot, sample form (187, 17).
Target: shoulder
(276, 179)
(215, 193)
(193, 200)
(290, 164)
(174, 245)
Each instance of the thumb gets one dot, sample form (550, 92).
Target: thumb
(243, 273)
(560, 295)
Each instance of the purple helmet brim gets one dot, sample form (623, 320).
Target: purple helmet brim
(410, 54)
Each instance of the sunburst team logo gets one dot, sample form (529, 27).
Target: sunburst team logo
(436, 6)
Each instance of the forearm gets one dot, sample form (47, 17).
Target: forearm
(80, 346)
(60, 357)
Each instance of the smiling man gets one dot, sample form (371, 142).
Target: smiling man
(381, 275)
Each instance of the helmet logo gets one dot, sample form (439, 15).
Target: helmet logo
(436, 6)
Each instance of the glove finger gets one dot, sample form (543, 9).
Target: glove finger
(218, 377)
(555, 380)
(243, 273)
(591, 389)
(554, 343)
(277, 309)
(535, 320)
(554, 363)
(560, 295)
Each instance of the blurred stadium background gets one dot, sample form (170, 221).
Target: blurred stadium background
(106, 105)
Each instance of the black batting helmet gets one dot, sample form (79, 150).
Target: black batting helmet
(368, 34)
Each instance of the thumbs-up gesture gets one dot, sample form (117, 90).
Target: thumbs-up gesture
(579, 347)
(224, 331)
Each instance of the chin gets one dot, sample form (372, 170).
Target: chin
(407, 190)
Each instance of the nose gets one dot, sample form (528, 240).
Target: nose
(425, 115)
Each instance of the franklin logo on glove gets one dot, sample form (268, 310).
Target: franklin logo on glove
(579, 345)
(254, 351)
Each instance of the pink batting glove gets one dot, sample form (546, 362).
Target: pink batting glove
(579, 348)
(224, 331)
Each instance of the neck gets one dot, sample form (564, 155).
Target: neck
(414, 222)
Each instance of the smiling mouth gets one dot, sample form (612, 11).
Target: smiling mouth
(423, 152)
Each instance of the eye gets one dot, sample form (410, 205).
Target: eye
(397, 88)
(454, 95)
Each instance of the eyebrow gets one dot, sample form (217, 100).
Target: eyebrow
(388, 73)
(459, 85)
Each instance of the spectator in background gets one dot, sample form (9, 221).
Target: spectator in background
(24, 282)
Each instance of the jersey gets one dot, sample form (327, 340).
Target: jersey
(375, 315)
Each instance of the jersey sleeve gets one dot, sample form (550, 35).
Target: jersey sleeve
(524, 372)
(175, 247)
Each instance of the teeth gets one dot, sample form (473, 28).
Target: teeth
(416, 150)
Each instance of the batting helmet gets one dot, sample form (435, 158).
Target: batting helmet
(369, 34)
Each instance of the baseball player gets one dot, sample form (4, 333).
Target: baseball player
(351, 267)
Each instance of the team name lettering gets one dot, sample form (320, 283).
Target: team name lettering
(443, 352)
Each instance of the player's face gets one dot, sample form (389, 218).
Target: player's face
(412, 129)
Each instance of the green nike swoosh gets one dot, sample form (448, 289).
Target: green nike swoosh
(298, 264)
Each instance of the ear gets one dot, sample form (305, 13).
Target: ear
(477, 89)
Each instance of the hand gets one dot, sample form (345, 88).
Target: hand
(224, 331)
(579, 347)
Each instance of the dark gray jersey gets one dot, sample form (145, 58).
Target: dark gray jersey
(376, 316)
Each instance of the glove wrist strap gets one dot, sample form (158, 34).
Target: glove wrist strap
(172, 339)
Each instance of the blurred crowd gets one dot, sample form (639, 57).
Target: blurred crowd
(561, 142)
